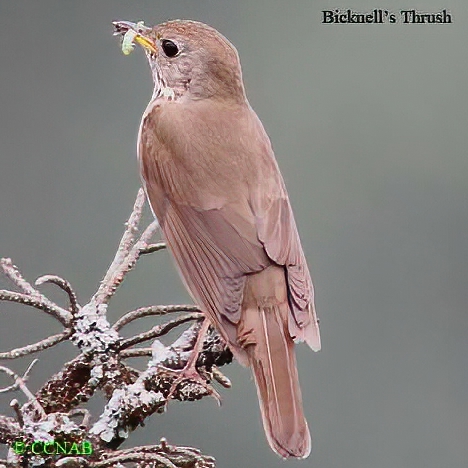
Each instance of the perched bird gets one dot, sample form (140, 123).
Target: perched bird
(213, 183)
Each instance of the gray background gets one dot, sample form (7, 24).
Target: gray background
(369, 124)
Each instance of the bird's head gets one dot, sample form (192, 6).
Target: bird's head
(188, 59)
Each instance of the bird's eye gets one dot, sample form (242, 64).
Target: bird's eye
(169, 48)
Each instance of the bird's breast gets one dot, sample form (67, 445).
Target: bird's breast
(192, 156)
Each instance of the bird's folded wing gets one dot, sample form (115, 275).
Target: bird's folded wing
(213, 256)
(278, 233)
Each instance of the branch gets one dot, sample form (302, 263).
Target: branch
(38, 302)
(12, 272)
(132, 395)
(127, 253)
(179, 456)
(129, 235)
(65, 286)
(135, 457)
(153, 248)
(20, 383)
(35, 297)
(36, 347)
(152, 310)
(159, 330)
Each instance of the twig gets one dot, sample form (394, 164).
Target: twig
(159, 330)
(36, 347)
(38, 302)
(20, 383)
(178, 455)
(129, 235)
(153, 248)
(136, 352)
(65, 286)
(12, 272)
(152, 310)
(29, 369)
(116, 273)
(18, 380)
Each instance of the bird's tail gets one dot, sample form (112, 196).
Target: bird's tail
(265, 337)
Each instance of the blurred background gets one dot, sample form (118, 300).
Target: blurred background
(369, 125)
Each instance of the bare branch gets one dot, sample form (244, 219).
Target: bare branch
(18, 380)
(36, 347)
(38, 302)
(20, 383)
(116, 273)
(11, 271)
(29, 369)
(153, 248)
(200, 461)
(136, 352)
(65, 286)
(159, 330)
(152, 310)
(129, 235)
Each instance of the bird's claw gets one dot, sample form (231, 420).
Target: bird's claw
(190, 374)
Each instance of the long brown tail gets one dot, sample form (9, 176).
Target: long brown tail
(263, 333)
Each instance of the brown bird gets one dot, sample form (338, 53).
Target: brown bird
(213, 183)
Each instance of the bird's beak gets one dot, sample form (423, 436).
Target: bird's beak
(134, 32)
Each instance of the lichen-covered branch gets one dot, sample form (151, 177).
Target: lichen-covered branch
(50, 413)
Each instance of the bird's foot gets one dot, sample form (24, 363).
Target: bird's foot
(189, 372)
(191, 375)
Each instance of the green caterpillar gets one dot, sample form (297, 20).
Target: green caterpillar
(129, 37)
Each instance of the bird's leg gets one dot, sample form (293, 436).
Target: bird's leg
(189, 371)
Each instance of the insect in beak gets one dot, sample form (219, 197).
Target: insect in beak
(134, 33)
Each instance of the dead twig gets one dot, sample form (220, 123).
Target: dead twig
(65, 286)
(159, 330)
(152, 310)
(37, 347)
(31, 294)
(38, 302)
(20, 383)
(153, 248)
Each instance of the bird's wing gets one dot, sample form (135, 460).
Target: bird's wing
(278, 233)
